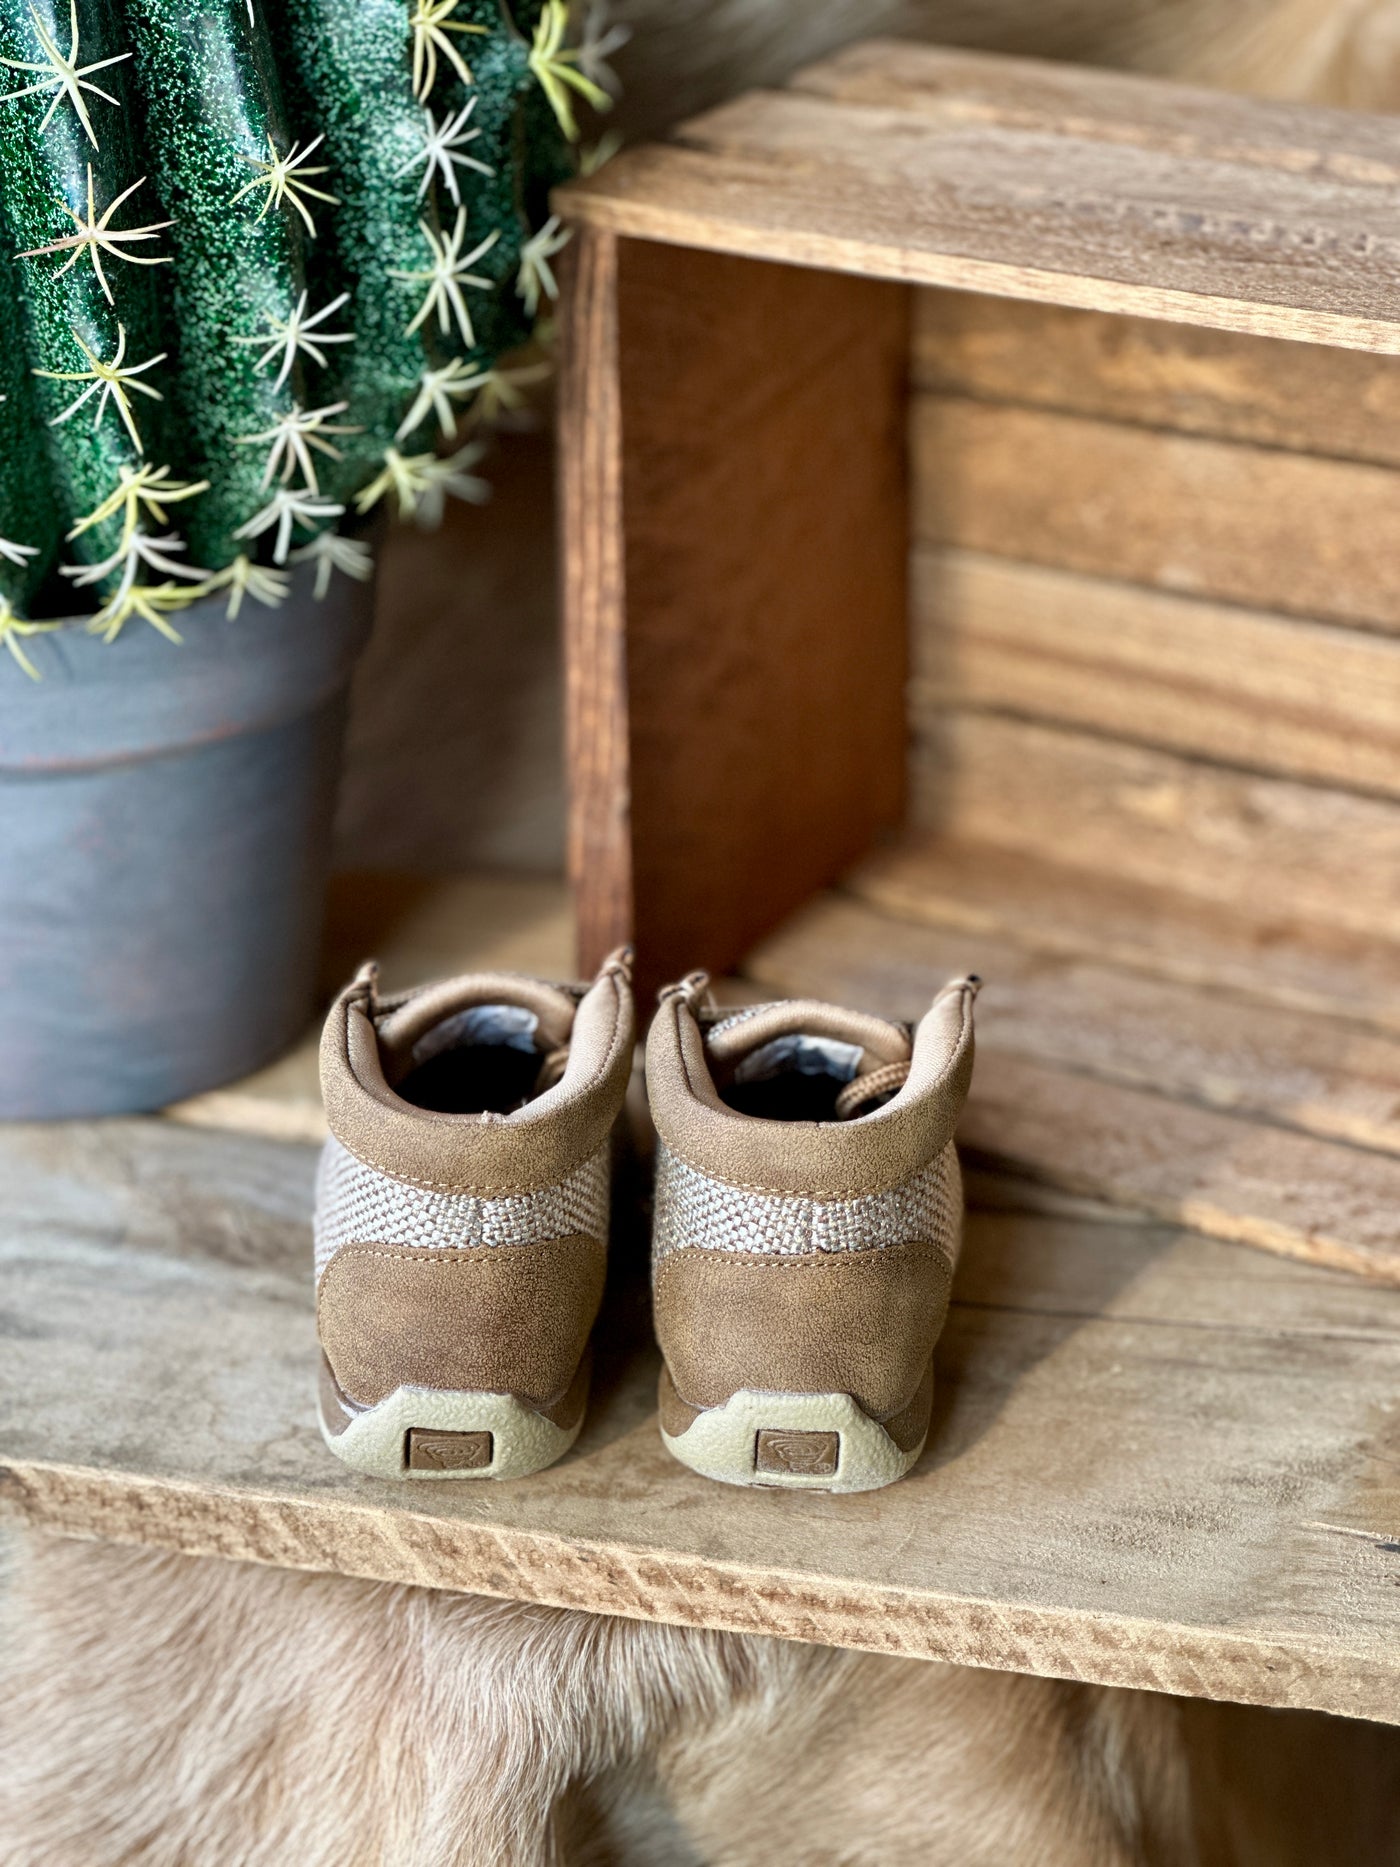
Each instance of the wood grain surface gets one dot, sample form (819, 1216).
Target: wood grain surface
(1307, 397)
(1201, 1107)
(1276, 958)
(1062, 99)
(1156, 1460)
(737, 660)
(1324, 1076)
(1245, 1181)
(1267, 692)
(1279, 853)
(1252, 525)
(1037, 181)
(592, 600)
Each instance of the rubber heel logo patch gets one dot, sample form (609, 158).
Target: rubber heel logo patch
(806, 1455)
(430, 1451)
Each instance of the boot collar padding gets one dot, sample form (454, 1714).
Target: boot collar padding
(492, 1155)
(821, 1160)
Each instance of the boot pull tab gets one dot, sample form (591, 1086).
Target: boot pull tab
(364, 987)
(693, 991)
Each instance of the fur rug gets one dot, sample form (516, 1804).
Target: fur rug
(160, 1711)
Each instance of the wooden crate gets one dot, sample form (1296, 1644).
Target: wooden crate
(995, 466)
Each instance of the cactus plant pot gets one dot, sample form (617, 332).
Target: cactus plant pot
(165, 817)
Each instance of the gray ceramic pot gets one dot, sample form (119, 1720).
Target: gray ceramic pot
(165, 817)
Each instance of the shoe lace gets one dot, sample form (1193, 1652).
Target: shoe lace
(874, 1086)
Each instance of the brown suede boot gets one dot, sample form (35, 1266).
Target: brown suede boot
(808, 1217)
(462, 1217)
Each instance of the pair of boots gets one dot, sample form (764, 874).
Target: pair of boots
(807, 1220)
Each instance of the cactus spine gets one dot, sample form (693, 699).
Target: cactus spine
(285, 307)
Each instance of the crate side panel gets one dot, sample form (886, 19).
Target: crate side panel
(764, 492)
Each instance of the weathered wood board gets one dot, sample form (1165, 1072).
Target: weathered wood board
(1307, 397)
(1265, 692)
(1037, 181)
(735, 592)
(1195, 1106)
(1277, 852)
(1157, 1460)
(1251, 525)
(1253, 949)
(1229, 1178)
(1324, 1076)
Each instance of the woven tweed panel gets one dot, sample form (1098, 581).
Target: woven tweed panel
(356, 1204)
(693, 1209)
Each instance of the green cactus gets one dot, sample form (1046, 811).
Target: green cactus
(275, 316)
(30, 530)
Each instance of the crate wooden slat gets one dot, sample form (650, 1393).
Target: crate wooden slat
(1307, 535)
(726, 502)
(1243, 687)
(1248, 1122)
(1032, 181)
(1311, 399)
(1280, 853)
(1076, 913)
(1158, 1460)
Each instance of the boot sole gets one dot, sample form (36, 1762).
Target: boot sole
(436, 1433)
(791, 1442)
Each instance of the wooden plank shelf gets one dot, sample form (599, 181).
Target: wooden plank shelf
(1157, 1461)
(1035, 181)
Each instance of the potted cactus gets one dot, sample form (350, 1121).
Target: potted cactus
(259, 260)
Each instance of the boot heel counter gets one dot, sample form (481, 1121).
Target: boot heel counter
(861, 1323)
(503, 1319)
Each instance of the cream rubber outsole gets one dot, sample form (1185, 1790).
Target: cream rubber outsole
(521, 1441)
(723, 1443)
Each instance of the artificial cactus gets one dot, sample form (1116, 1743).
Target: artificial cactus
(30, 527)
(283, 308)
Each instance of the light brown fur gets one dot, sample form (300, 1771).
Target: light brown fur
(162, 1710)
(159, 1711)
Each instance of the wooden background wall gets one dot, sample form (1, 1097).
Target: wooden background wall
(1157, 607)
